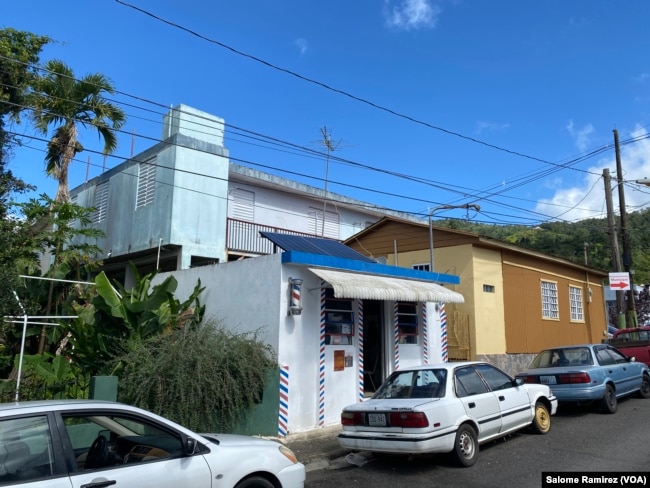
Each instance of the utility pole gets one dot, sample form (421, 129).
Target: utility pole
(625, 234)
(613, 239)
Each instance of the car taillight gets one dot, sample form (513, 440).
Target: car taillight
(529, 379)
(571, 378)
(408, 419)
(351, 418)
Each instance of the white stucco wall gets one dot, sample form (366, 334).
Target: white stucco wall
(281, 208)
(254, 293)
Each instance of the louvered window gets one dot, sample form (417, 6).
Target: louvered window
(243, 205)
(146, 183)
(101, 203)
(329, 228)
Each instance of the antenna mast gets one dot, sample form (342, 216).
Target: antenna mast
(327, 142)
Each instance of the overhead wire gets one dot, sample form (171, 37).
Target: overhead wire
(442, 186)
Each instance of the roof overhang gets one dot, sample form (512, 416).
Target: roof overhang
(375, 287)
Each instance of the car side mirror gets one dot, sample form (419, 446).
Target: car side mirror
(632, 359)
(189, 445)
(518, 381)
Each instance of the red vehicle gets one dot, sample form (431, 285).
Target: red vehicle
(633, 343)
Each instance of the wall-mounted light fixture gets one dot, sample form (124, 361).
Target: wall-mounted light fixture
(295, 302)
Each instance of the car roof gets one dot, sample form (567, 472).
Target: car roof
(632, 329)
(452, 365)
(570, 346)
(48, 405)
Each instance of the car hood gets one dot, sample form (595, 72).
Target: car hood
(234, 440)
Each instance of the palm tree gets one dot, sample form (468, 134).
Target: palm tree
(62, 101)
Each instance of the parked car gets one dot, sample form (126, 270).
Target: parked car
(633, 342)
(589, 372)
(445, 408)
(83, 443)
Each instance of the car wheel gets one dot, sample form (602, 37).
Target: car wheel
(255, 482)
(644, 391)
(542, 420)
(466, 446)
(609, 402)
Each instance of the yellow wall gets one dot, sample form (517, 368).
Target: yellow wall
(475, 267)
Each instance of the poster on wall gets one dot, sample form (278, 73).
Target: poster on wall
(339, 360)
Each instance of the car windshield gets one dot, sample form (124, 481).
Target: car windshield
(565, 356)
(425, 383)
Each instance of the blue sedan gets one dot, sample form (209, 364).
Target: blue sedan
(589, 372)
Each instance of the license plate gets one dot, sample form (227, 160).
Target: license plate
(377, 419)
(547, 380)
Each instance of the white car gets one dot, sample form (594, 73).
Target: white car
(86, 443)
(448, 407)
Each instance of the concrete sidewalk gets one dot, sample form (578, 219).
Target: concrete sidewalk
(316, 449)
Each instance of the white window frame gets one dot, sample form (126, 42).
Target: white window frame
(576, 304)
(550, 302)
(421, 266)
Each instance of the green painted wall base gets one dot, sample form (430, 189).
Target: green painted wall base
(103, 388)
(263, 417)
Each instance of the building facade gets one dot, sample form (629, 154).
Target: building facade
(517, 301)
(182, 204)
(338, 325)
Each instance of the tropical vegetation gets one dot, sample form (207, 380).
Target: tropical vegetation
(65, 102)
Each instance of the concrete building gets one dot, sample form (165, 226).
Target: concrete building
(182, 204)
(181, 207)
(339, 323)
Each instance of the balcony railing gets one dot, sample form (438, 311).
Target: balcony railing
(244, 237)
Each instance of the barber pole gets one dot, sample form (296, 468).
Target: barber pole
(443, 333)
(283, 418)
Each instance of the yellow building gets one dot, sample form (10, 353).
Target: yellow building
(517, 301)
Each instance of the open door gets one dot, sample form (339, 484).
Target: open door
(373, 358)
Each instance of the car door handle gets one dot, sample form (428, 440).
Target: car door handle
(99, 484)
(502, 398)
(471, 404)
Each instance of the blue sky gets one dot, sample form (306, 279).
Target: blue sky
(507, 104)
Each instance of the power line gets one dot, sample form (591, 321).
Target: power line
(481, 195)
(328, 87)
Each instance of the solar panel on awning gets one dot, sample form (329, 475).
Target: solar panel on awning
(374, 287)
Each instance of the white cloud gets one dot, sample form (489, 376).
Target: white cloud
(587, 198)
(484, 125)
(580, 136)
(302, 45)
(411, 14)
(642, 78)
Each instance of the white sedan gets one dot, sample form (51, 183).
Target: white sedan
(449, 407)
(95, 444)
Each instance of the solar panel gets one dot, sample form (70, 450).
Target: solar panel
(314, 245)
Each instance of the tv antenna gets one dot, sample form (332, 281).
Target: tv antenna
(330, 146)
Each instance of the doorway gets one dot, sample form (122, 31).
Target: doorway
(373, 345)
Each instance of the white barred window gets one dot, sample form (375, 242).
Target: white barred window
(575, 299)
(550, 309)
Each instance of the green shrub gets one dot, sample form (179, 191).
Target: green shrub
(204, 378)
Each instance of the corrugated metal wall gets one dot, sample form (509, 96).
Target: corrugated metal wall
(526, 330)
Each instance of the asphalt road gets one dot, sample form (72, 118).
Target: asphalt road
(581, 440)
